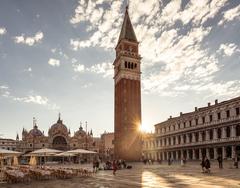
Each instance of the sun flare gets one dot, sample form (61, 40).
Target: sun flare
(145, 128)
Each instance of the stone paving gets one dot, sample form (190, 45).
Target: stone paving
(151, 176)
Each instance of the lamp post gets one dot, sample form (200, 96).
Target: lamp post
(86, 142)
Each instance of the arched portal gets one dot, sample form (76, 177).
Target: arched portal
(60, 143)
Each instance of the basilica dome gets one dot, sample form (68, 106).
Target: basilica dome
(58, 127)
(35, 131)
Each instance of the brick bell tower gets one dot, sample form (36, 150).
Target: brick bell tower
(127, 109)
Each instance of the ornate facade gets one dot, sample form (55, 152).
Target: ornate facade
(59, 137)
(127, 78)
(209, 131)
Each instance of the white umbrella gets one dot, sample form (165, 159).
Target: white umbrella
(5, 152)
(65, 154)
(81, 151)
(45, 152)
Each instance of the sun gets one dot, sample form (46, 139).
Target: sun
(146, 128)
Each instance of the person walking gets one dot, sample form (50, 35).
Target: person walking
(207, 165)
(203, 164)
(114, 165)
(220, 161)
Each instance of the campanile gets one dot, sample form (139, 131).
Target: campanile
(127, 104)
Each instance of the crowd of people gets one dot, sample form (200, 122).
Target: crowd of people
(110, 165)
(205, 163)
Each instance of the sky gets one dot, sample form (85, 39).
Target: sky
(56, 56)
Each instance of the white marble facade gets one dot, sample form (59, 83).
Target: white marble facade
(210, 131)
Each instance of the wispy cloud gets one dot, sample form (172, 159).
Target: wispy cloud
(54, 62)
(228, 49)
(3, 30)
(106, 69)
(176, 56)
(104, 25)
(230, 15)
(31, 98)
(30, 41)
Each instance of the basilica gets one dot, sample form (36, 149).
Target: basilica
(59, 137)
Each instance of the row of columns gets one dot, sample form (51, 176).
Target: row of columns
(179, 154)
(200, 136)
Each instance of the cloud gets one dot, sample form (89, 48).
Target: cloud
(37, 99)
(54, 62)
(174, 40)
(31, 98)
(78, 67)
(104, 24)
(106, 69)
(4, 91)
(230, 15)
(30, 41)
(228, 49)
(3, 30)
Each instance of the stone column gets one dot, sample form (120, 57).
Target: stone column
(200, 154)
(193, 137)
(223, 152)
(207, 153)
(214, 134)
(233, 131)
(181, 154)
(187, 154)
(177, 155)
(172, 140)
(167, 143)
(207, 135)
(163, 154)
(181, 139)
(172, 157)
(193, 154)
(215, 153)
(223, 132)
(233, 152)
(200, 136)
(187, 138)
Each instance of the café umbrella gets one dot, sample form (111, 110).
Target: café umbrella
(44, 152)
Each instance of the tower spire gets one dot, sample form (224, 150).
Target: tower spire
(127, 31)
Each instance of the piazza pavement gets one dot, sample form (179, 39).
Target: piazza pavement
(144, 176)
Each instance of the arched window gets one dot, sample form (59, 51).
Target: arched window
(190, 137)
(211, 134)
(203, 136)
(135, 65)
(219, 133)
(131, 65)
(228, 131)
(196, 137)
(238, 130)
(125, 64)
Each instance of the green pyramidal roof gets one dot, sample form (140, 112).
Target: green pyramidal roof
(127, 31)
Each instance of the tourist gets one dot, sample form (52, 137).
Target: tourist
(220, 161)
(94, 166)
(207, 165)
(236, 159)
(114, 165)
(203, 164)
(182, 162)
(169, 161)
